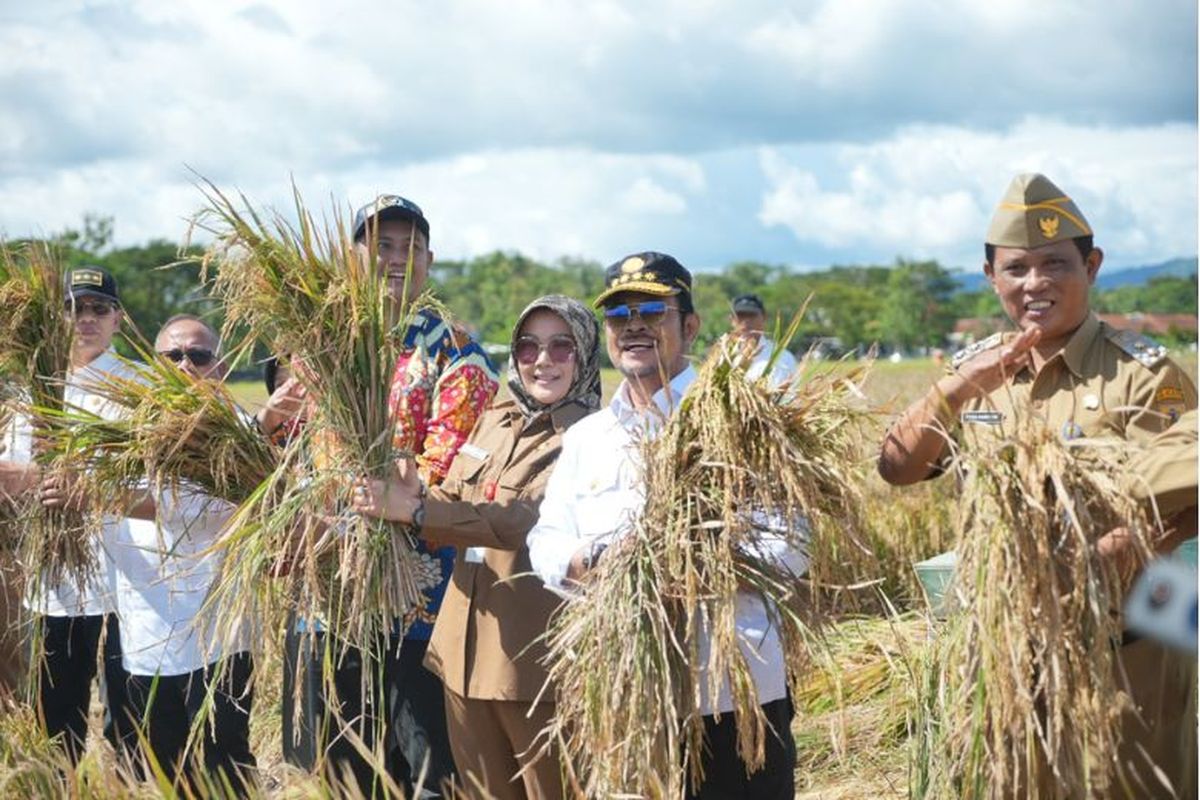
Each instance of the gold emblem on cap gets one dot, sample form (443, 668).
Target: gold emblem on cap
(86, 277)
(632, 264)
(1049, 226)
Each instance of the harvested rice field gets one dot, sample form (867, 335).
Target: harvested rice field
(854, 710)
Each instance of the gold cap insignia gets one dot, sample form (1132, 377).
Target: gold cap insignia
(632, 264)
(86, 277)
(1048, 226)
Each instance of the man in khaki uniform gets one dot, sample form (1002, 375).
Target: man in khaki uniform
(1086, 380)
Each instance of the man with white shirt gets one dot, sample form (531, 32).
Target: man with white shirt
(72, 620)
(748, 320)
(595, 492)
(181, 674)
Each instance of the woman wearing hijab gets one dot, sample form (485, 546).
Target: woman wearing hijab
(486, 645)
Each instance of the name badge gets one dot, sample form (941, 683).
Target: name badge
(474, 555)
(982, 417)
(473, 451)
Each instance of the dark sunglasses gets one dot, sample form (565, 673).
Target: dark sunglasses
(652, 313)
(561, 349)
(198, 356)
(96, 309)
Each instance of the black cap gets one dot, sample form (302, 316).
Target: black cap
(90, 281)
(748, 304)
(390, 206)
(649, 273)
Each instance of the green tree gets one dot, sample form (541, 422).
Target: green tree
(917, 311)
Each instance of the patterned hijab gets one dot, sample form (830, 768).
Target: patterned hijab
(585, 388)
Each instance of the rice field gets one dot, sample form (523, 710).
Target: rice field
(850, 728)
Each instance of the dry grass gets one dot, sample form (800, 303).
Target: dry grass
(740, 474)
(303, 289)
(849, 753)
(1020, 697)
(36, 330)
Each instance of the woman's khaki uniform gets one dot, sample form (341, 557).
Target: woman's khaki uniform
(485, 644)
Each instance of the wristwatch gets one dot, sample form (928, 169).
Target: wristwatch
(418, 516)
(592, 557)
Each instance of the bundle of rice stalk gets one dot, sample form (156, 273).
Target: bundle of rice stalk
(1020, 698)
(35, 355)
(739, 468)
(853, 707)
(303, 289)
(181, 432)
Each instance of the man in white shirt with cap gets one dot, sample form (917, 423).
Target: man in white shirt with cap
(748, 321)
(73, 617)
(595, 491)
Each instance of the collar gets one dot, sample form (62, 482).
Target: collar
(665, 399)
(561, 418)
(105, 362)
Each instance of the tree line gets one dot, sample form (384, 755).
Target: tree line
(907, 305)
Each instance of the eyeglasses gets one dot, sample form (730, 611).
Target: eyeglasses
(528, 349)
(96, 309)
(198, 356)
(651, 313)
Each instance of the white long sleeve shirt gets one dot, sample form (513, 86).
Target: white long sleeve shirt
(164, 573)
(595, 494)
(66, 599)
(783, 369)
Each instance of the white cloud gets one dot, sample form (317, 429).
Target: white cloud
(929, 191)
(602, 126)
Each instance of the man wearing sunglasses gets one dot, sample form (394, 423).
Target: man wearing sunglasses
(650, 325)
(164, 573)
(71, 619)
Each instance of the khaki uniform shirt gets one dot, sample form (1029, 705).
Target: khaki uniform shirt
(1103, 383)
(1107, 383)
(1167, 471)
(485, 642)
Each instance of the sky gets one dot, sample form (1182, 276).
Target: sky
(797, 133)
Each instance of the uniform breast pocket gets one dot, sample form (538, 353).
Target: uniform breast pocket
(604, 506)
(468, 464)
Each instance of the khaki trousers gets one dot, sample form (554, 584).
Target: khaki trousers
(1162, 683)
(493, 740)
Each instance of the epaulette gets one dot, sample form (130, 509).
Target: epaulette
(1142, 349)
(970, 351)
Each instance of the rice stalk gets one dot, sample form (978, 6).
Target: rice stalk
(740, 470)
(179, 433)
(853, 708)
(35, 355)
(1020, 697)
(302, 289)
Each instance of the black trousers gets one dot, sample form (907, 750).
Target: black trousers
(67, 653)
(398, 711)
(168, 707)
(725, 775)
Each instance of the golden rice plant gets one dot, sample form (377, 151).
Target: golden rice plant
(180, 433)
(1020, 698)
(301, 288)
(738, 471)
(35, 355)
(853, 707)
